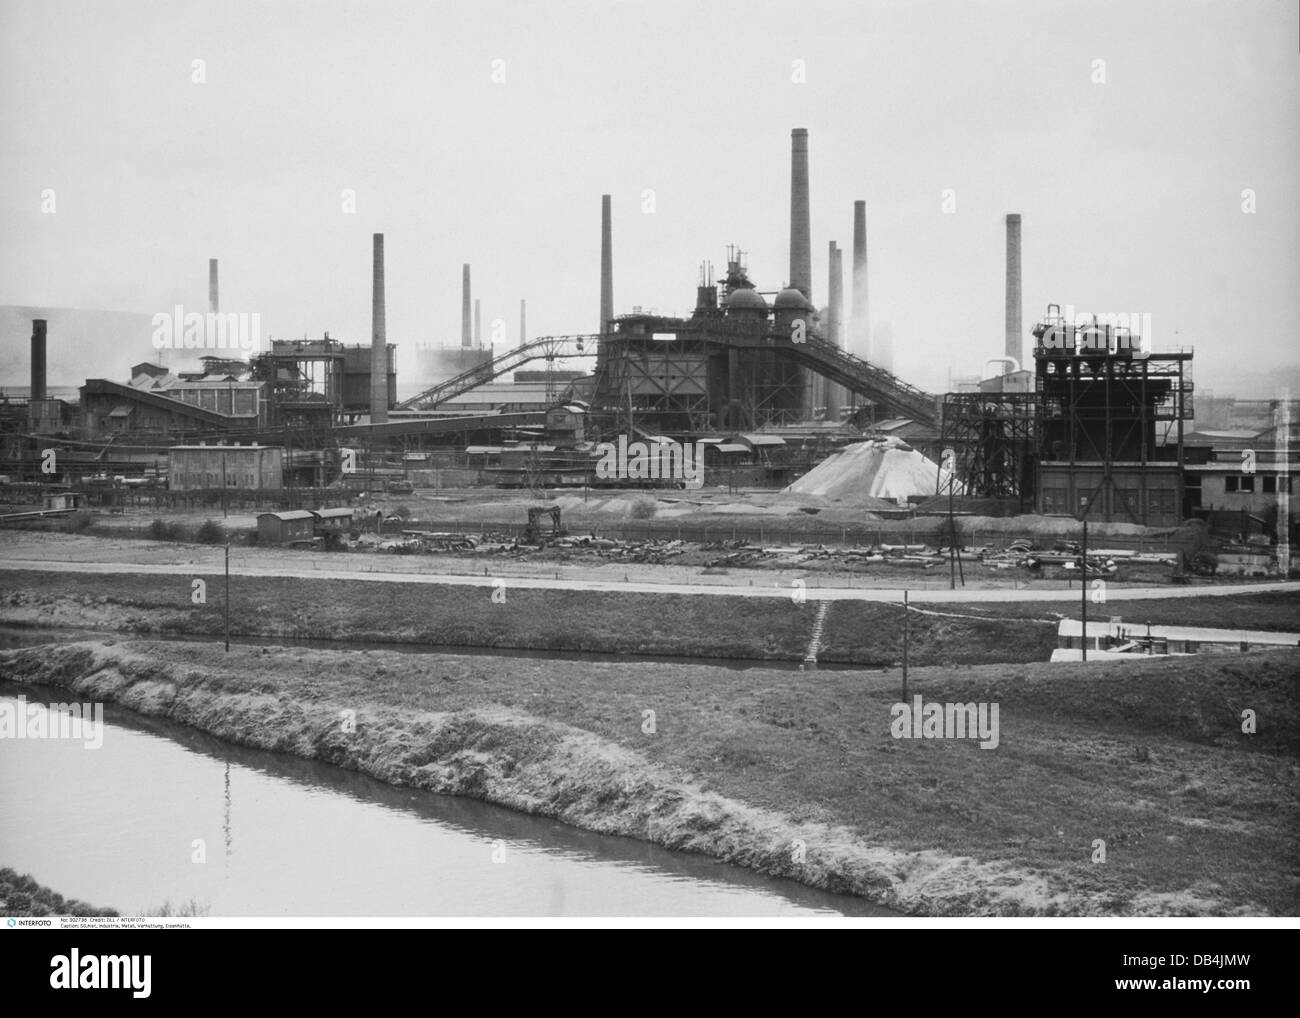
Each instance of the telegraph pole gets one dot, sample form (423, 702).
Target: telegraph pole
(227, 597)
(1083, 589)
(906, 626)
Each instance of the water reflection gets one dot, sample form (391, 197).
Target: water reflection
(319, 840)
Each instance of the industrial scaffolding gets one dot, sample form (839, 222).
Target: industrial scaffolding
(1111, 419)
(993, 437)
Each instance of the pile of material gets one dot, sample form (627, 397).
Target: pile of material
(884, 469)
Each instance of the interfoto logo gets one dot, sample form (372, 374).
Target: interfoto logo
(1110, 331)
(102, 972)
(946, 721)
(178, 329)
(660, 459)
(23, 720)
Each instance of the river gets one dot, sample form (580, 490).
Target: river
(121, 826)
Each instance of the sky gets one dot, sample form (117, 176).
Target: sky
(1124, 133)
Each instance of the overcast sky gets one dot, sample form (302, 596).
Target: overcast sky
(1131, 189)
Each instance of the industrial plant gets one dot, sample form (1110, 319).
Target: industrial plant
(1092, 424)
(492, 463)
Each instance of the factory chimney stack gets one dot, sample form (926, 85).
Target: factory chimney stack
(859, 319)
(606, 276)
(478, 325)
(466, 325)
(834, 326)
(378, 340)
(38, 360)
(800, 229)
(213, 302)
(523, 322)
(606, 264)
(1014, 341)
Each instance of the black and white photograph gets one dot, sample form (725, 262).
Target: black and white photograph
(649, 464)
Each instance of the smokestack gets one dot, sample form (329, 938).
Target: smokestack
(213, 303)
(523, 322)
(834, 316)
(606, 265)
(478, 324)
(859, 320)
(800, 229)
(466, 336)
(38, 360)
(1014, 341)
(378, 340)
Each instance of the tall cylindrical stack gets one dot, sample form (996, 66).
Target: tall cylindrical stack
(859, 318)
(38, 359)
(478, 324)
(466, 325)
(606, 277)
(1014, 341)
(213, 302)
(834, 327)
(523, 322)
(378, 340)
(606, 264)
(800, 219)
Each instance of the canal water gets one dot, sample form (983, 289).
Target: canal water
(125, 826)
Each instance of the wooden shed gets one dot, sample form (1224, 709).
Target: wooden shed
(296, 526)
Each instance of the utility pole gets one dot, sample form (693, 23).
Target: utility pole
(227, 597)
(1083, 589)
(952, 524)
(952, 537)
(906, 626)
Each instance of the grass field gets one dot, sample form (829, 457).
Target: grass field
(864, 633)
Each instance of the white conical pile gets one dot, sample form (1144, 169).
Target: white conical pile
(887, 468)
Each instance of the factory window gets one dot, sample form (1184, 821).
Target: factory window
(1270, 485)
(1053, 500)
(1247, 483)
(1131, 500)
(1230, 483)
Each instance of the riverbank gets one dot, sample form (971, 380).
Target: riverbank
(22, 896)
(797, 775)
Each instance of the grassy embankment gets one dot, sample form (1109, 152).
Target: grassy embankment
(21, 895)
(1197, 817)
(863, 633)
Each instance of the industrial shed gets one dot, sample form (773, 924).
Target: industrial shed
(296, 526)
(333, 521)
